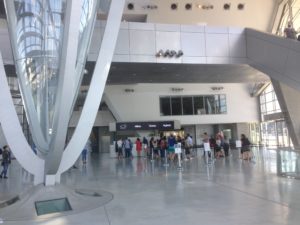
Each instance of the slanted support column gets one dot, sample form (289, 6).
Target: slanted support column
(288, 99)
(93, 99)
(13, 133)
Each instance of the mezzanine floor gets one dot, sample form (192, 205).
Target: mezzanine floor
(230, 192)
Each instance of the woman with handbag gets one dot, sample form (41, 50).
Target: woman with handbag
(5, 161)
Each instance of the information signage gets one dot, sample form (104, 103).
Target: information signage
(238, 144)
(207, 147)
(158, 125)
(177, 148)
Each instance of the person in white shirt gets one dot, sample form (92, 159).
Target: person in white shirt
(188, 146)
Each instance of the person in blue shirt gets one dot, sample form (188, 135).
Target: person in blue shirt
(171, 147)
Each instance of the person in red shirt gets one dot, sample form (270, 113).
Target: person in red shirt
(138, 145)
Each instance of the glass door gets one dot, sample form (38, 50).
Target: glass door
(282, 134)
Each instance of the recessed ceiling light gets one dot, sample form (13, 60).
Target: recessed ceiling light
(241, 6)
(174, 6)
(130, 6)
(226, 6)
(188, 6)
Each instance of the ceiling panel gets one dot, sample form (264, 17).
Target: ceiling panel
(130, 73)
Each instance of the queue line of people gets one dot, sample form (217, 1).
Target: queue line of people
(154, 147)
(220, 145)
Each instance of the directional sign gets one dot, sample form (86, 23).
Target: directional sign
(158, 125)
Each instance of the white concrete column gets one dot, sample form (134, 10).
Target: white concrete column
(13, 132)
(98, 82)
(66, 86)
(288, 99)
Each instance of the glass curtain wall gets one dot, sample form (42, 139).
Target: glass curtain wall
(255, 133)
(193, 105)
(274, 132)
(286, 15)
(19, 106)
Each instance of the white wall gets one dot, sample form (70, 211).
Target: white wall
(139, 42)
(103, 119)
(256, 14)
(143, 104)
(205, 36)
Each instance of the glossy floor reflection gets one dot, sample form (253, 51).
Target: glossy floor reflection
(230, 191)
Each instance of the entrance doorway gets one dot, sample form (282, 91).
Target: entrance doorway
(104, 144)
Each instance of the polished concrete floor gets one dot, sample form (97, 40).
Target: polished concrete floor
(230, 191)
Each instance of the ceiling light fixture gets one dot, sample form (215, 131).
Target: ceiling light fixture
(205, 7)
(226, 6)
(128, 90)
(130, 6)
(217, 88)
(159, 53)
(188, 6)
(176, 89)
(241, 6)
(179, 54)
(150, 7)
(172, 53)
(174, 6)
(169, 53)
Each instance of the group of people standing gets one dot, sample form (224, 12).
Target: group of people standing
(219, 144)
(154, 147)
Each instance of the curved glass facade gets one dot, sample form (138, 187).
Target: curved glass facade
(37, 30)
